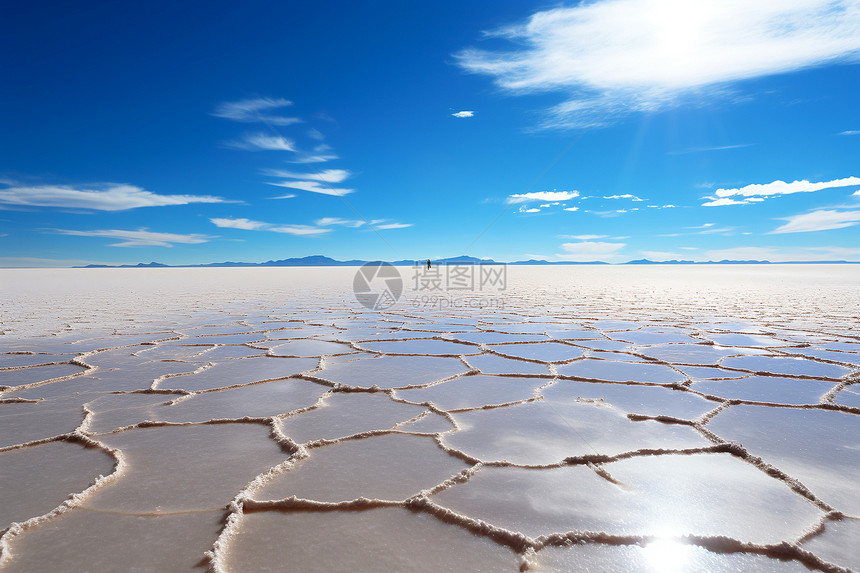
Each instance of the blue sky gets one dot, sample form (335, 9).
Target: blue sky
(192, 132)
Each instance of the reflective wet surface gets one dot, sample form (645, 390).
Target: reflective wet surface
(603, 419)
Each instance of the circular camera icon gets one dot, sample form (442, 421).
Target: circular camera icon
(377, 285)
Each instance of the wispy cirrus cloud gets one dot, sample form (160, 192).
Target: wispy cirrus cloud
(328, 221)
(313, 187)
(260, 109)
(250, 225)
(254, 110)
(263, 142)
(851, 132)
(99, 197)
(326, 175)
(714, 148)
(613, 57)
(319, 154)
(822, 220)
(758, 192)
(392, 225)
(541, 196)
(140, 237)
(356, 223)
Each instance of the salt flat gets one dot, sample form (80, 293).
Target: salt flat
(650, 418)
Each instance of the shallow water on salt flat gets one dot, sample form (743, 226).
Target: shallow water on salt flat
(389, 467)
(541, 351)
(204, 384)
(363, 542)
(656, 557)
(475, 391)
(714, 494)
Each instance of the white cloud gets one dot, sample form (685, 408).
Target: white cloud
(617, 56)
(264, 142)
(722, 201)
(140, 238)
(464, 113)
(591, 251)
(249, 225)
(783, 188)
(717, 230)
(107, 197)
(313, 186)
(851, 132)
(625, 196)
(246, 224)
(524, 209)
(328, 221)
(320, 154)
(252, 110)
(300, 230)
(571, 208)
(819, 221)
(856, 194)
(393, 225)
(542, 196)
(583, 237)
(326, 175)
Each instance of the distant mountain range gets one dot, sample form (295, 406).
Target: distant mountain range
(323, 261)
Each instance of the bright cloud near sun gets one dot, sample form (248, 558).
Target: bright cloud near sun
(756, 192)
(105, 197)
(615, 56)
(783, 188)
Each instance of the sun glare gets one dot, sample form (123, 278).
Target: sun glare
(667, 555)
(678, 28)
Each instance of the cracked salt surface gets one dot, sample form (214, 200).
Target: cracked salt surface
(607, 419)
